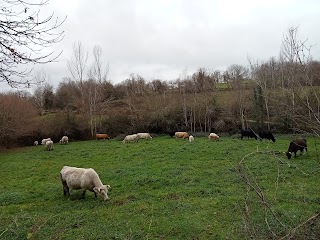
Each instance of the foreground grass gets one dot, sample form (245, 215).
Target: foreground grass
(162, 189)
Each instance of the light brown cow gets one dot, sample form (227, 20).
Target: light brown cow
(102, 136)
(213, 136)
(181, 135)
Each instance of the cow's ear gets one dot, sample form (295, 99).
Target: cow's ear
(97, 190)
(107, 186)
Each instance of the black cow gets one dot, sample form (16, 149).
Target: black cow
(248, 133)
(295, 146)
(267, 135)
(171, 133)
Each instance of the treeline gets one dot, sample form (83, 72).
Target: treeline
(266, 96)
(281, 94)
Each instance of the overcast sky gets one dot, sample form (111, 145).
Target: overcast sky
(160, 39)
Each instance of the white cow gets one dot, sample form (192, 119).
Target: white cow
(35, 143)
(64, 140)
(84, 179)
(49, 145)
(131, 138)
(144, 135)
(191, 139)
(43, 142)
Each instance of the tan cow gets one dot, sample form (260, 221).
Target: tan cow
(213, 136)
(181, 135)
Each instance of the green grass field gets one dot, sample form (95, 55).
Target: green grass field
(163, 189)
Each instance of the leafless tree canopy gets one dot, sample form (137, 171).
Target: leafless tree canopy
(24, 34)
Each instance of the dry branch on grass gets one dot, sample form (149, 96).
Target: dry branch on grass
(252, 184)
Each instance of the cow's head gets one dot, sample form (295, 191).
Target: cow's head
(102, 191)
(289, 154)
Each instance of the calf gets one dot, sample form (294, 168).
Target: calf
(295, 146)
(84, 179)
(64, 140)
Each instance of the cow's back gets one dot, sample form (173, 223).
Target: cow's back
(73, 176)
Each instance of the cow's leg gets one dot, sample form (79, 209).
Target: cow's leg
(66, 191)
(83, 194)
(65, 187)
(301, 151)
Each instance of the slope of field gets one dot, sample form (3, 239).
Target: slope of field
(163, 189)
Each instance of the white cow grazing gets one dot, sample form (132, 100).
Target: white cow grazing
(84, 179)
(131, 138)
(35, 143)
(43, 142)
(213, 136)
(49, 145)
(64, 140)
(191, 139)
(144, 135)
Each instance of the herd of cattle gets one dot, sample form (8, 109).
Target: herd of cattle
(48, 143)
(294, 146)
(87, 178)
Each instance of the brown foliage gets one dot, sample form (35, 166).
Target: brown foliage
(17, 118)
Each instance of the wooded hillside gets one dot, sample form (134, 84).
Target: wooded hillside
(281, 94)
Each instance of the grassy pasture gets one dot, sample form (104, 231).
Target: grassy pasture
(163, 189)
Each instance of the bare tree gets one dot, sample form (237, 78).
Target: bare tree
(97, 75)
(41, 90)
(77, 66)
(23, 37)
(235, 74)
(297, 56)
